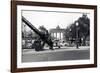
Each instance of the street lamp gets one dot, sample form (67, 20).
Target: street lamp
(77, 29)
(70, 30)
(77, 23)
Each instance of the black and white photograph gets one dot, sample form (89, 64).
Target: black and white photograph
(55, 35)
(47, 34)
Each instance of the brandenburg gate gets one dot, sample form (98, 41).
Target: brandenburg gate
(57, 33)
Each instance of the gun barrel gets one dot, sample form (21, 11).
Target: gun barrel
(30, 25)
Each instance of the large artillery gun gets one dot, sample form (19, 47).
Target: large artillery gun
(44, 37)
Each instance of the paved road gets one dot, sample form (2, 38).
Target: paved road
(69, 53)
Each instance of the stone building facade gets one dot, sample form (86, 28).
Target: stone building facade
(57, 33)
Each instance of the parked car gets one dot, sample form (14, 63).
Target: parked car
(62, 44)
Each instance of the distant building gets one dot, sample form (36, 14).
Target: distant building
(57, 33)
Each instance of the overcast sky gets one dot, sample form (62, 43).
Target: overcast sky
(51, 19)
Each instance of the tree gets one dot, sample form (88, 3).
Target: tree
(84, 22)
(43, 30)
(83, 29)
